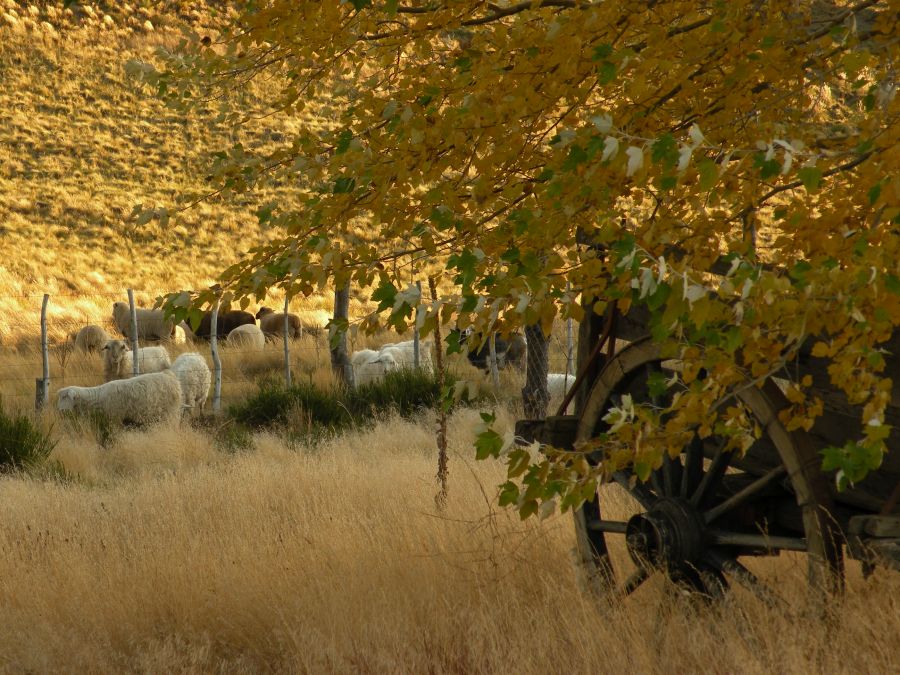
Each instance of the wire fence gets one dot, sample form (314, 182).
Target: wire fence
(58, 351)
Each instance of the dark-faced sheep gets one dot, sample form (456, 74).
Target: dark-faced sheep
(227, 322)
(272, 323)
(511, 351)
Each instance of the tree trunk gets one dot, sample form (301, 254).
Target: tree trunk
(340, 358)
(535, 396)
(589, 331)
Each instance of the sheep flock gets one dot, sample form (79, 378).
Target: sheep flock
(161, 389)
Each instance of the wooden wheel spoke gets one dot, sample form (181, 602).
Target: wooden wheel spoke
(657, 483)
(712, 477)
(670, 477)
(743, 495)
(693, 467)
(761, 541)
(612, 526)
(633, 582)
(744, 577)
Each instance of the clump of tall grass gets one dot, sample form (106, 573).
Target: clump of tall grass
(404, 391)
(23, 444)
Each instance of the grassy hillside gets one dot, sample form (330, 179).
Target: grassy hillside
(80, 147)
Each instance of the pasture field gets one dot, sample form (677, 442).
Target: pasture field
(162, 554)
(167, 550)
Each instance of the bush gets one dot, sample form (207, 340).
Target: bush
(22, 444)
(308, 412)
(274, 403)
(406, 390)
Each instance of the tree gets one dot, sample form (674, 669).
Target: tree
(552, 155)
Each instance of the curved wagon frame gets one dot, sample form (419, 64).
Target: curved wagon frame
(701, 512)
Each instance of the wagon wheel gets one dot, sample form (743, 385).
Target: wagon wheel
(696, 518)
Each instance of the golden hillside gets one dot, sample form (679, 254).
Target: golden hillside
(81, 145)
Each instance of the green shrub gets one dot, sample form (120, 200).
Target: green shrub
(22, 444)
(273, 404)
(405, 391)
(307, 412)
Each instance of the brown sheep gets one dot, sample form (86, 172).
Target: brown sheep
(272, 323)
(226, 323)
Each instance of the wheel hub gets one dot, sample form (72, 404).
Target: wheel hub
(670, 535)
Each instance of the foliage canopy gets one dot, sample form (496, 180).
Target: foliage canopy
(500, 139)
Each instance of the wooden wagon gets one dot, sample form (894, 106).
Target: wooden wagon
(700, 513)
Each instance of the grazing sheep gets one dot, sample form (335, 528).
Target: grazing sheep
(118, 360)
(558, 385)
(145, 399)
(510, 352)
(370, 366)
(194, 377)
(91, 339)
(183, 334)
(247, 336)
(272, 323)
(226, 322)
(152, 324)
(404, 353)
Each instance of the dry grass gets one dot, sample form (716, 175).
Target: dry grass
(81, 146)
(161, 553)
(167, 556)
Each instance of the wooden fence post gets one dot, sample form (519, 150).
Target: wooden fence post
(217, 362)
(135, 365)
(492, 361)
(287, 352)
(42, 386)
(416, 346)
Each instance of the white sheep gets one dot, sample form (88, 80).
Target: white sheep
(91, 339)
(194, 377)
(248, 336)
(370, 366)
(118, 360)
(404, 353)
(183, 334)
(145, 399)
(558, 385)
(151, 323)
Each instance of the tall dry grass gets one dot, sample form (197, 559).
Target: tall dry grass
(165, 555)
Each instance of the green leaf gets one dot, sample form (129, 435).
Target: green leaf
(665, 151)
(488, 444)
(602, 52)
(343, 142)
(360, 4)
(874, 193)
(768, 168)
(659, 297)
(642, 470)
(509, 494)
(656, 383)
(709, 174)
(344, 185)
(385, 295)
(606, 72)
(577, 155)
(811, 177)
(892, 284)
